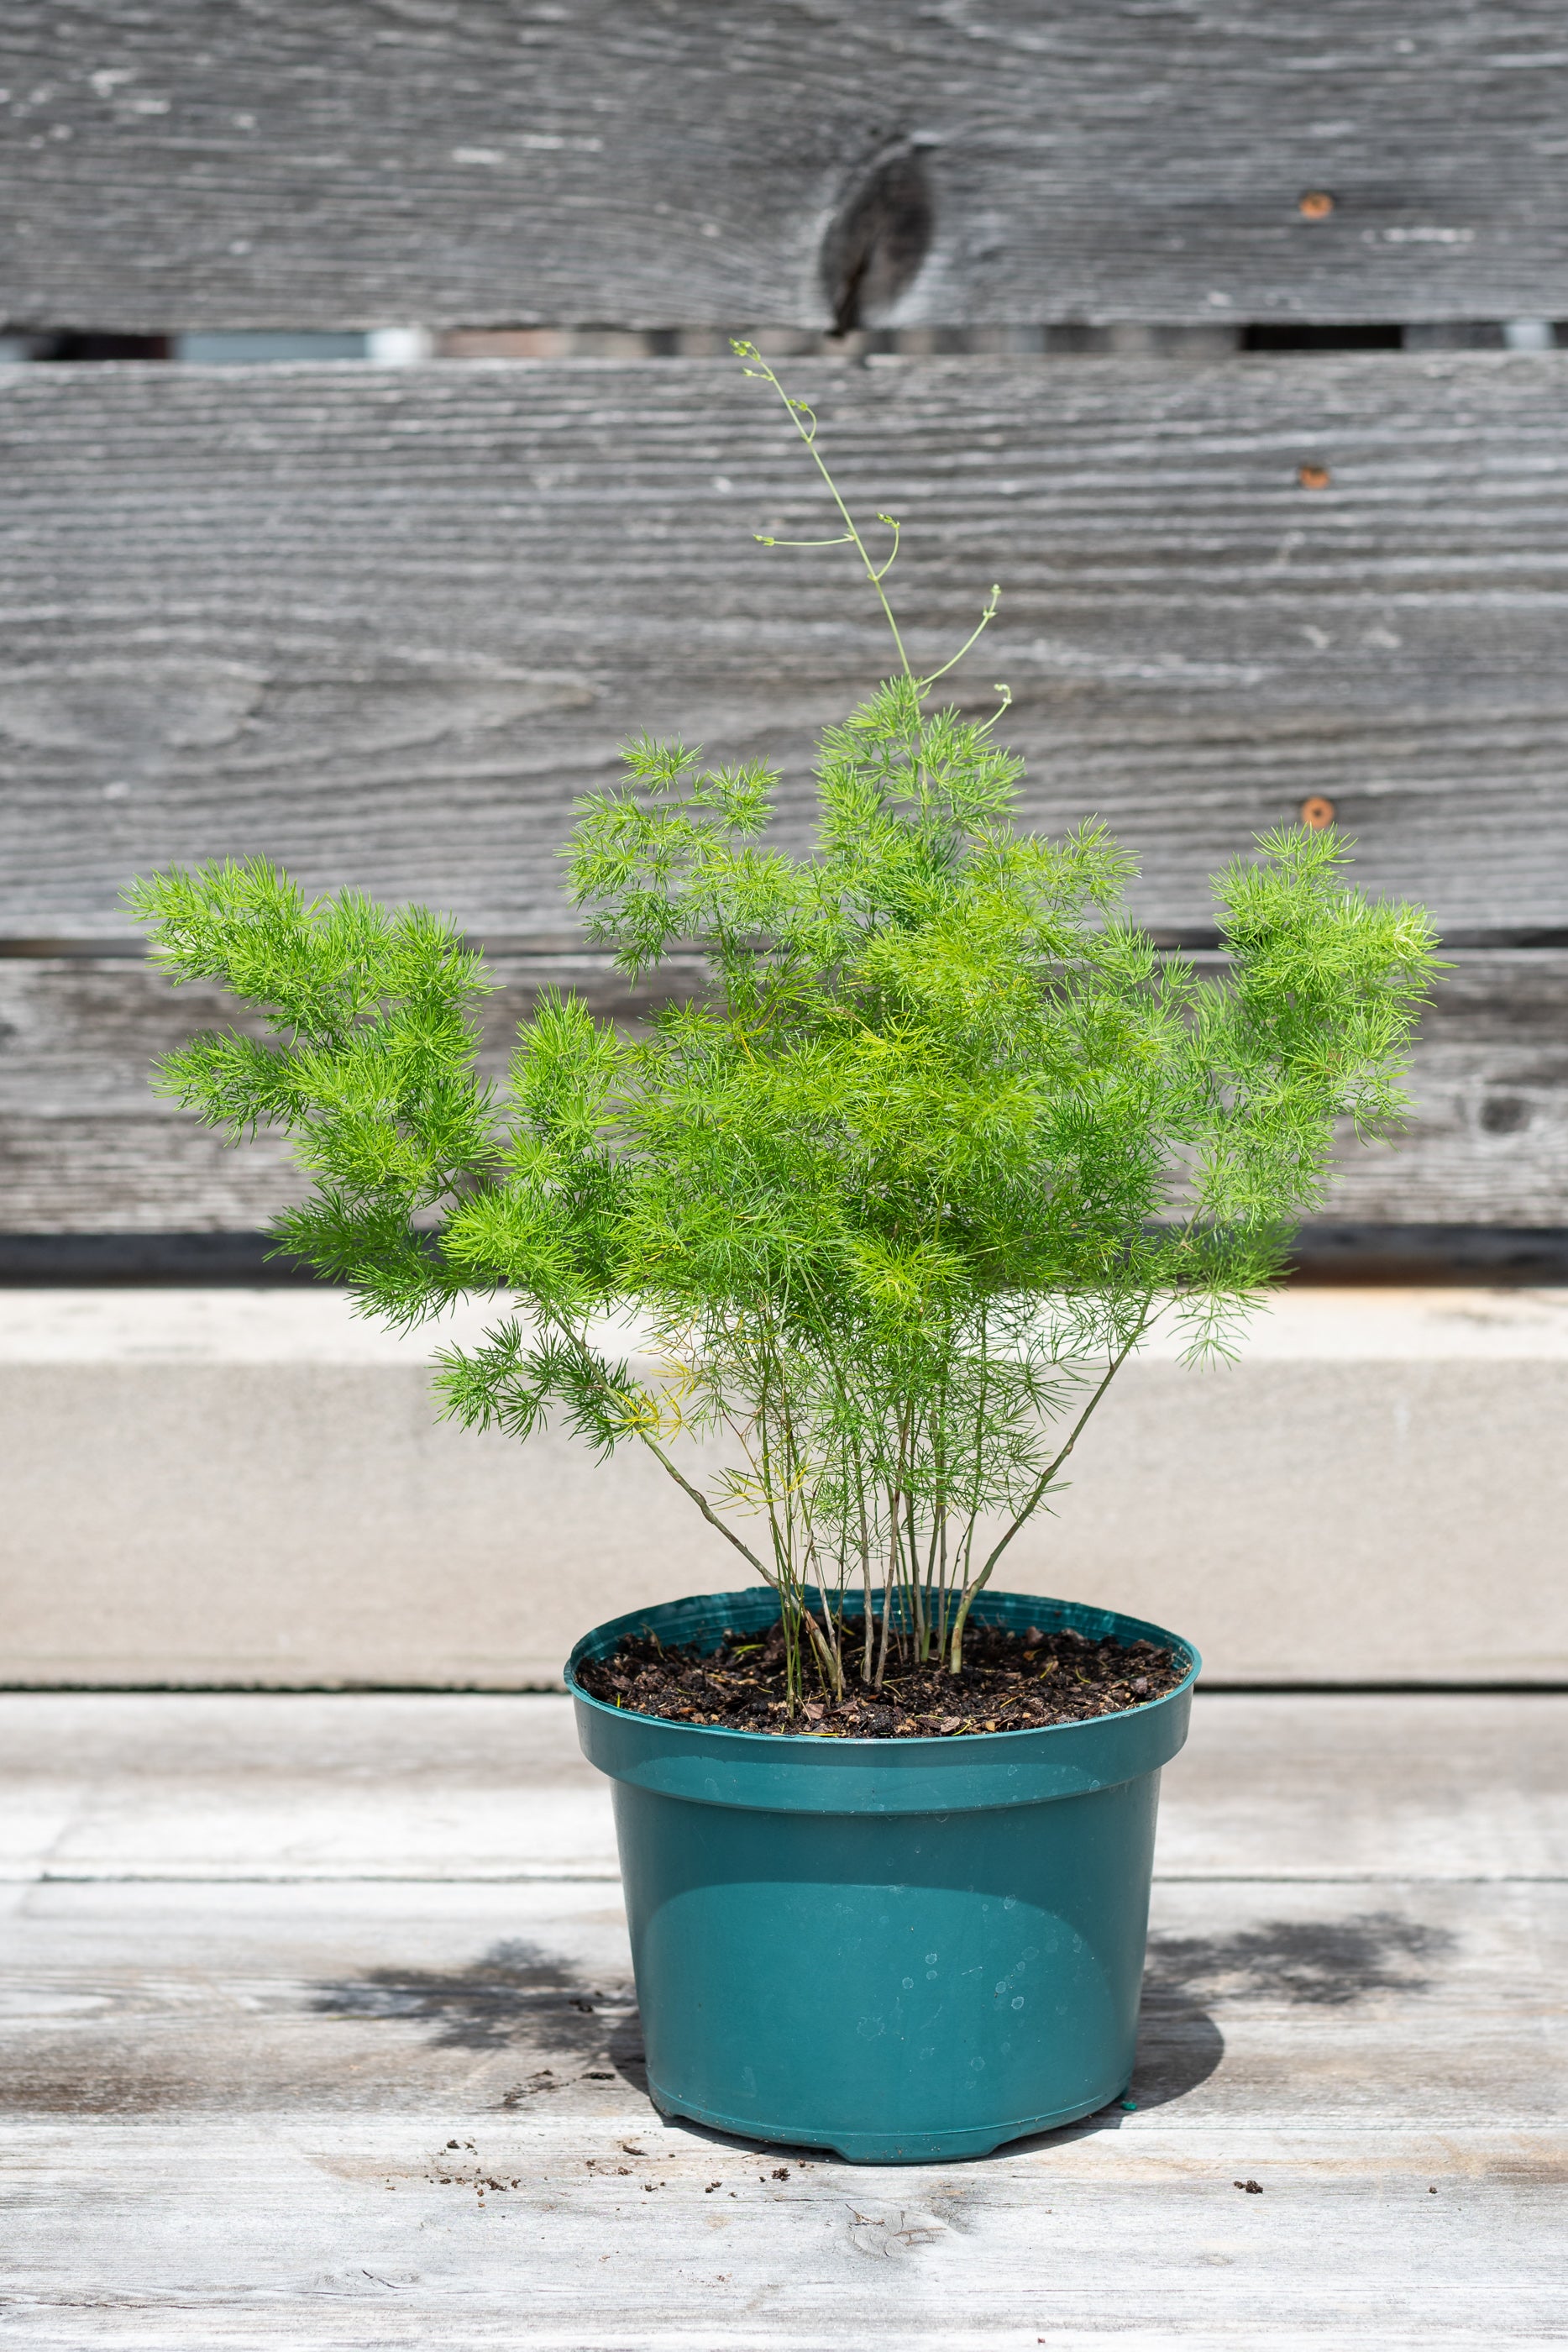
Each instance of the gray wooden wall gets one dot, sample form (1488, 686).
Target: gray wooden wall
(384, 625)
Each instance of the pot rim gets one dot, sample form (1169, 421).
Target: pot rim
(603, 1638)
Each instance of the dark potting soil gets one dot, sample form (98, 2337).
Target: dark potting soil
(1010, 1682)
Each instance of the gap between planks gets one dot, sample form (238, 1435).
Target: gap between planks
(166, 1876)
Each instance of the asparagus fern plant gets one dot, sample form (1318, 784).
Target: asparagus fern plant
(884, 1213)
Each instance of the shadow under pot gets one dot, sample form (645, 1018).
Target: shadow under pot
(906, 1950)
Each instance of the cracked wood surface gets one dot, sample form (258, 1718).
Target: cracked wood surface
(336, 2113)
(333, 162)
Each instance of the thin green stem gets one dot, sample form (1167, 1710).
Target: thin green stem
(1042, 1485)
(986, 617)
(798, 408)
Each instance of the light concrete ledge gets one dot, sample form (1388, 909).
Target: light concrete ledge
(250, 1486)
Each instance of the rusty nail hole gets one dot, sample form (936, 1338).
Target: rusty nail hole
(1316, 812)
(1316, 204)
(1313, 477)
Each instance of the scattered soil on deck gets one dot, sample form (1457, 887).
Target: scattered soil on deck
(1010, 1682)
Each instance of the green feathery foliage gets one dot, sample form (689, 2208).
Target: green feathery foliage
(887, 1209)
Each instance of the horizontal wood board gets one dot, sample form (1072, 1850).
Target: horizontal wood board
(342, 2114)
(335, 162)
(385, 627)
(365, 2116)
(84, 1147)
(483, 1785)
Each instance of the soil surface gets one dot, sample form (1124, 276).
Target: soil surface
(1010, 1682)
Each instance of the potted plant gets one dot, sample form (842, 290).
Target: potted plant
(878, 1219)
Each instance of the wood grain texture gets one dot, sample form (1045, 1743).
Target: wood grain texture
(336, 2115)
(218, 1788)
(385, 627)
(331, 2233)
(334, 162)
(84, 1147)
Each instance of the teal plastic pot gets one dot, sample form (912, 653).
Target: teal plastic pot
(906, 1950)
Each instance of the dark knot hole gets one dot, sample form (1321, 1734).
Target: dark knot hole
(876, 245)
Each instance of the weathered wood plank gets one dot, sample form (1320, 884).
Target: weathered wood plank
(1488, 1140)
(386, 626)
(481, 1787)
(332, 162)
(1441, 1997)
(80, 1034)
(84, 1147)
(327, 2238)
(248, 2115)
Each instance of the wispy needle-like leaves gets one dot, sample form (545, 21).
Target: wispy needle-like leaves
(880, 1216)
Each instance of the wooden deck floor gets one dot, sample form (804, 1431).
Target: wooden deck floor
(316, 2030)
